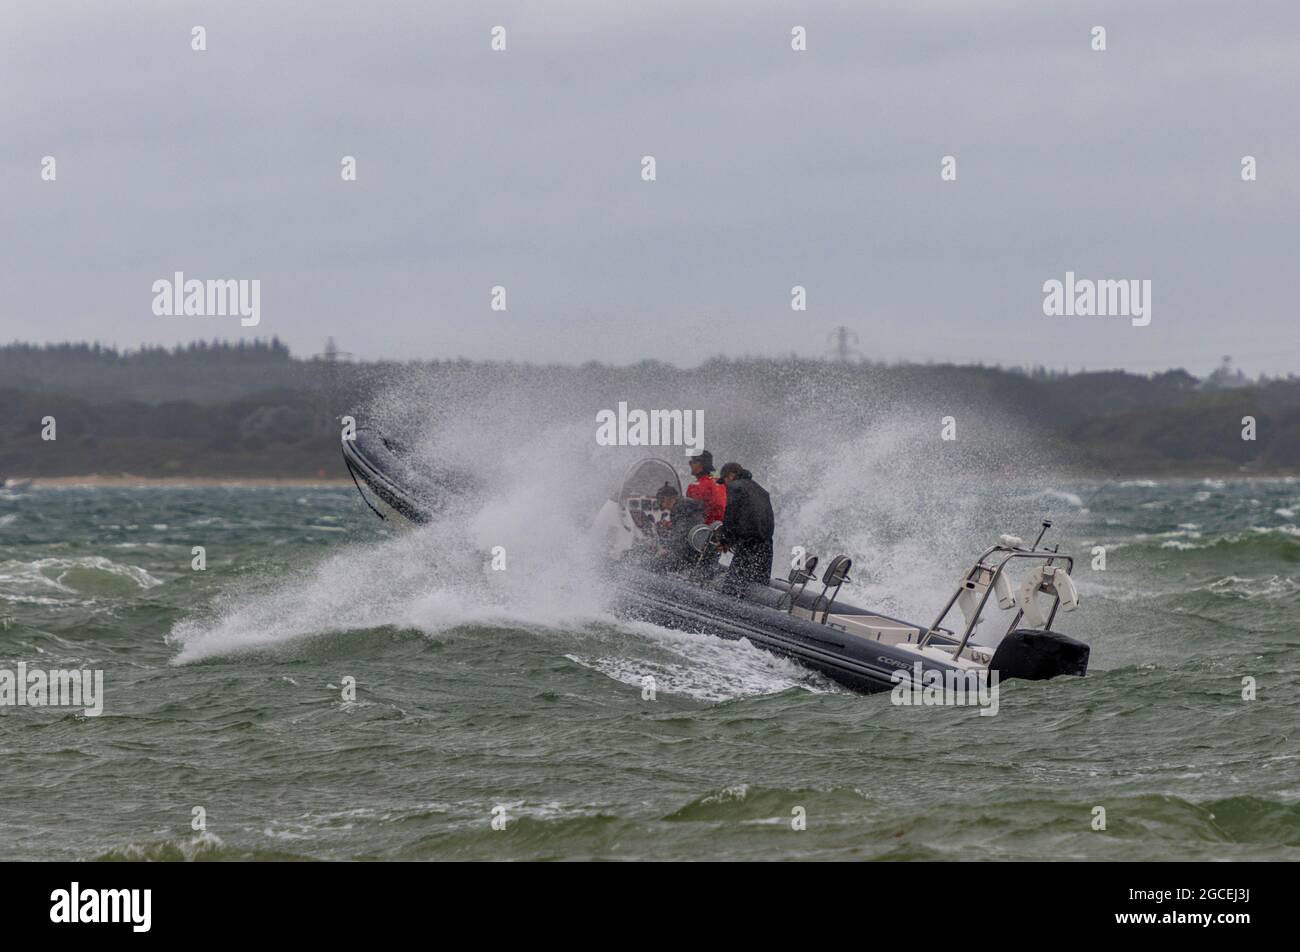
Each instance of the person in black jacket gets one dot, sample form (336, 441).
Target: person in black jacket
(747, 527)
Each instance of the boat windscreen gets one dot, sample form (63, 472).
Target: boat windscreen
(646, 477)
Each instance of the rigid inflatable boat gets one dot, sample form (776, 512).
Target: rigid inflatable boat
(800, 617)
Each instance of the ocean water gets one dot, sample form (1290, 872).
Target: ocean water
(483, 694)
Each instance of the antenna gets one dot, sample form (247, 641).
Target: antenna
(1047, 524)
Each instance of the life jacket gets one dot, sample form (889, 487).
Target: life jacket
(706, 490)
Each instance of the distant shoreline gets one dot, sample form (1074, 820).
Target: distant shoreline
(126, 480)
(94, 480)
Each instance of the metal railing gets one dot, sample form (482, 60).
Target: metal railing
(1047, 556)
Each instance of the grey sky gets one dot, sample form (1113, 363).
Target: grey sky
(775, 168)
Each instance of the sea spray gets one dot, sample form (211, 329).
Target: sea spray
(871, 479)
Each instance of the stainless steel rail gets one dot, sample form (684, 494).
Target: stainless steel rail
(1047, 556)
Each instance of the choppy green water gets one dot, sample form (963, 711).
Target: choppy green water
(223, 691)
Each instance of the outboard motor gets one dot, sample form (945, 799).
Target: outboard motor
(1035, 655)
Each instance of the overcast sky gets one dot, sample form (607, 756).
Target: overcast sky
(775, 168)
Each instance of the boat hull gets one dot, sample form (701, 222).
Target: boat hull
(377, 466)
(855, 663)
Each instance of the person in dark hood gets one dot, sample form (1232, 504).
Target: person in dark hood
(706, 489)
(683, 515)
(747, 527)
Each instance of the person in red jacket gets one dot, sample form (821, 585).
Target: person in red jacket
(706, 489)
